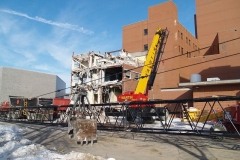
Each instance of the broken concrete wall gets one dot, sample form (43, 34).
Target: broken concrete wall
(101, 74)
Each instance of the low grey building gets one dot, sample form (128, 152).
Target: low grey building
(29, 84)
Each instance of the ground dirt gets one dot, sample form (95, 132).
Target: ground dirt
(136, 146)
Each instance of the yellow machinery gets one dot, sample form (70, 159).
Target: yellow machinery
(149, 70)
(149, 63)
(197, 115)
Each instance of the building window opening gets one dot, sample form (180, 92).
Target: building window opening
(136, 76)
(127, 74)
(112, 74)
(186, 40)
(181, 50)
(181, 36)
(145, 47)
(189, 42)
(145, 31)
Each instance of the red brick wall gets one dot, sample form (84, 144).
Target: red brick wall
(218, 90)
(218, 21)
(216, 16)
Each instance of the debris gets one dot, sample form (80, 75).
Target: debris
(83, 130)
(97, 72)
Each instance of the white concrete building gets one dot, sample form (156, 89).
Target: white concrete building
(29, 84)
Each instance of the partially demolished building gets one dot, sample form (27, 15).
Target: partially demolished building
(102, 75)
(203, 65)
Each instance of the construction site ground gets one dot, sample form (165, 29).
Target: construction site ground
(130, 146)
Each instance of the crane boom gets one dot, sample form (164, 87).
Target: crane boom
(149, 63)
(147, 76)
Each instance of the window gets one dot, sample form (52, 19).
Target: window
(145, 31)
(186, 40)
(181, 36)
(136, 76)
(145, 47)
(127, 74)
(189, 42)
(182, 50)
(224, 47)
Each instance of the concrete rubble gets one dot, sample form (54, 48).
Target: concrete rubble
(102, 74)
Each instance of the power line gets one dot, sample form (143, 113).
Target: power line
(166, 60)
(159, 62)
(59, 90)
(199, 62)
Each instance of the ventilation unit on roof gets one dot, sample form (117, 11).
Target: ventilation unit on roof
(195, 78)
(213, 79)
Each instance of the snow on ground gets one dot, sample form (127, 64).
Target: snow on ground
(14, 146)
(177, 124)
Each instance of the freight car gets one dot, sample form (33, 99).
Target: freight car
(34, 108)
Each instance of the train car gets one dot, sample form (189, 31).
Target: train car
(44, 109)
(4, 106)
(62, 104)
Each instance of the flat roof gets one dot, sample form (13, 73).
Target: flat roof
(209, 83)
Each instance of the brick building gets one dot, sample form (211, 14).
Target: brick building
(212, 55)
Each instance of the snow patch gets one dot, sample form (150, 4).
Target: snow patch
(13, 146)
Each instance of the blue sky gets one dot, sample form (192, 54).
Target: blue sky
(41, 35)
